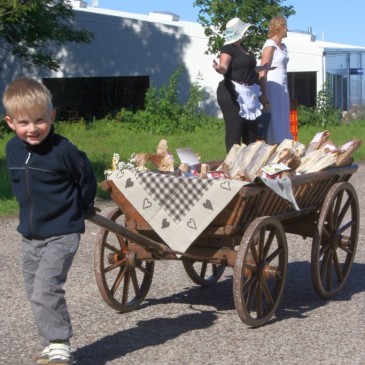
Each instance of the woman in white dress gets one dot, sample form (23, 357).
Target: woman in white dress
(274, 84)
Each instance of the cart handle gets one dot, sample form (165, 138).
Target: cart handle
(124, 232)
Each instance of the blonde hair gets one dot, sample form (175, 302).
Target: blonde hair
(25, 94)
(277, 26)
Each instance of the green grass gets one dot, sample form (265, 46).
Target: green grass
(8, 207)
(103, 138)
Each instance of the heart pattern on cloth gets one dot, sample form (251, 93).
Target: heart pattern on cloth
(165, 223)
(191, 223)
(146, 204)
(208, 204)
(226, 185)
(120, 174)
(129, 183)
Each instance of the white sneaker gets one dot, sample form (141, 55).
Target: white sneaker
(43, 358)
(60, 353)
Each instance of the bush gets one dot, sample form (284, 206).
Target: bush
(324, 115)
(307, 116)
(165, 114)
(4, 128)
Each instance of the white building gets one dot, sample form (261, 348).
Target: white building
(129, 52)
(314, 63)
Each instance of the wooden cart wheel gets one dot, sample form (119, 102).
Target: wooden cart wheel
(122, 279)
(203, 273)
(260, 271)
(334, 244)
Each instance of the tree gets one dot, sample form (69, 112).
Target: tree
(28, 29)
(214, 14)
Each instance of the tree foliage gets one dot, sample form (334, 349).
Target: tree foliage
(214, 14)
(28, 29)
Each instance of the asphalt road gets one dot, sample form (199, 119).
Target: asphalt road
(181, 323)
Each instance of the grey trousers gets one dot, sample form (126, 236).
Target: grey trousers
(46, 264)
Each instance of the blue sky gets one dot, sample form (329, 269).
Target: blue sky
(331, 20)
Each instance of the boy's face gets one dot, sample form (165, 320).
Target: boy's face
(34, 126)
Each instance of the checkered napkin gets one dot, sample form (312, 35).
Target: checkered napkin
(177, 208)
(176, 195)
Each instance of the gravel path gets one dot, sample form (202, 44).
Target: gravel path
(181, 323)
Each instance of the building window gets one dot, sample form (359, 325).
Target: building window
(96, 97)
(302, 87)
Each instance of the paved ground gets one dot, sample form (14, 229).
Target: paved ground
(181, 323)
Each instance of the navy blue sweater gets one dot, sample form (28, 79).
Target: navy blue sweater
(54, 185)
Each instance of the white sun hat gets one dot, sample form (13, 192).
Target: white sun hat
(235, 30)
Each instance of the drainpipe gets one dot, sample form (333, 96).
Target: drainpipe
(323, 69)
(348, 82)
(361, 79)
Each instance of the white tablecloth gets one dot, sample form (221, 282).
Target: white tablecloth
(180, 208)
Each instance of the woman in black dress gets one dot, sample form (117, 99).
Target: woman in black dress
(237, 93)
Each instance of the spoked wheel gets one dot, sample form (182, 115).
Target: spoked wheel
(260, 271)
(203, 273)
(334, 245)
(123, 280)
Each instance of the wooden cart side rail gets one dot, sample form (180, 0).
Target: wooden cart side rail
(251, 202)
(228, 221)
(258, 200)
(345, 171)
(232, 218)
(309, 191)
(313, 192)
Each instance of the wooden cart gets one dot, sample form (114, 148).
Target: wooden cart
(249, 235)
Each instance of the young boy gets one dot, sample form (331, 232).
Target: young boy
(55, 187)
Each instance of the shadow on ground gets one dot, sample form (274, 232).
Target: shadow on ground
(298, 300)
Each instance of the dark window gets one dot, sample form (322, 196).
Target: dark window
(302, 87)
(96, 97)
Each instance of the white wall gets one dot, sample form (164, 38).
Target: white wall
(128, 44)
(153, 45)
(305, 56)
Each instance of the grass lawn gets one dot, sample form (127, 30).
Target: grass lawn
(102, 139)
